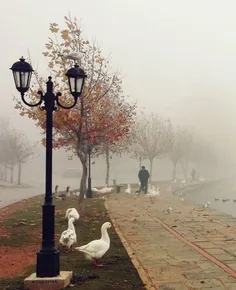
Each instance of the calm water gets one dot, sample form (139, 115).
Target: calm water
(224, 189)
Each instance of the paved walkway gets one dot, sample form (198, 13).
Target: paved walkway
(190, 248)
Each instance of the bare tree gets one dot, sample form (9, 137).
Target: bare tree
(153, 138)
(16, 149)
(4, 126)
(137, 154)
(25, 151)
(187, 142)
(177, 153)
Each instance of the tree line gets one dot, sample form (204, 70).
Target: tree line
(156, 138)
(15, 150)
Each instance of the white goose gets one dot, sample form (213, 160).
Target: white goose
(105, 189)
(169, 209)
(68, 237)
(76, 192)
(153, 193)
(72, 213)
(97, 248)
(128, 190)
(207, 204)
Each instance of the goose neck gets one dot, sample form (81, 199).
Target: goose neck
(105, 235)
(71, 224)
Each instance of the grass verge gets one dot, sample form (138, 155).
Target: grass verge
(23, 236)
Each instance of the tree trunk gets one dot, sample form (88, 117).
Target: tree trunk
(174, 171)
(140, 162)
(83, 181)
(107, 153)
(5, 173)
(151, 165)
(83, 160)
(12, 173)
(19, 173)
(184, 172)
(1, 171)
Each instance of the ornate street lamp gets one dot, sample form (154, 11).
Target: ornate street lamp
(48, 258)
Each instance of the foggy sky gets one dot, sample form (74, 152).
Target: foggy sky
(178, 58)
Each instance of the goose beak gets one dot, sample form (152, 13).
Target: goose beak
(111, 228)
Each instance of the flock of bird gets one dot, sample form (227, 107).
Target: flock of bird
(225, 199)
(103, 190)
(95, 249)
(62, 195)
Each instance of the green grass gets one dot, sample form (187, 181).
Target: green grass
(118, 271)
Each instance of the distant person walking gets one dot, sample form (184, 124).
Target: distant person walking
(193, 174)
(143, 176)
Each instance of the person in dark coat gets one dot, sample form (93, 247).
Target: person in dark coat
(143, 176)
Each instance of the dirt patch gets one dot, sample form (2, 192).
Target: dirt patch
(13, 261)
(4, 233)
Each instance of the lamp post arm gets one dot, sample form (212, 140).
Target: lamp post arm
(58, 95)
(32, 105)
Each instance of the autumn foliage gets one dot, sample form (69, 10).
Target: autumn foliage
(102, 114)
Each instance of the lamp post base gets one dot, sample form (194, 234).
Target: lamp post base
(89, 193)
(48, 264)
(54, 283)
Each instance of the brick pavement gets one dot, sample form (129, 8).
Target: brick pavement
(168, 262)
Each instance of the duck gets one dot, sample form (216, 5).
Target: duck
(224, 199)
(96, 249)
(169, 188)
(72, 212)
(234, 200)
(128, 190)
(207, 204)
(216, 198)
(68, 237)
(56, 194)
(68, 192)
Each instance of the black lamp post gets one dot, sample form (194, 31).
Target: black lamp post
(89, 190)
(48, 257)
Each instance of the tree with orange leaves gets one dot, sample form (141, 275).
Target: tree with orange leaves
(102, 114)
